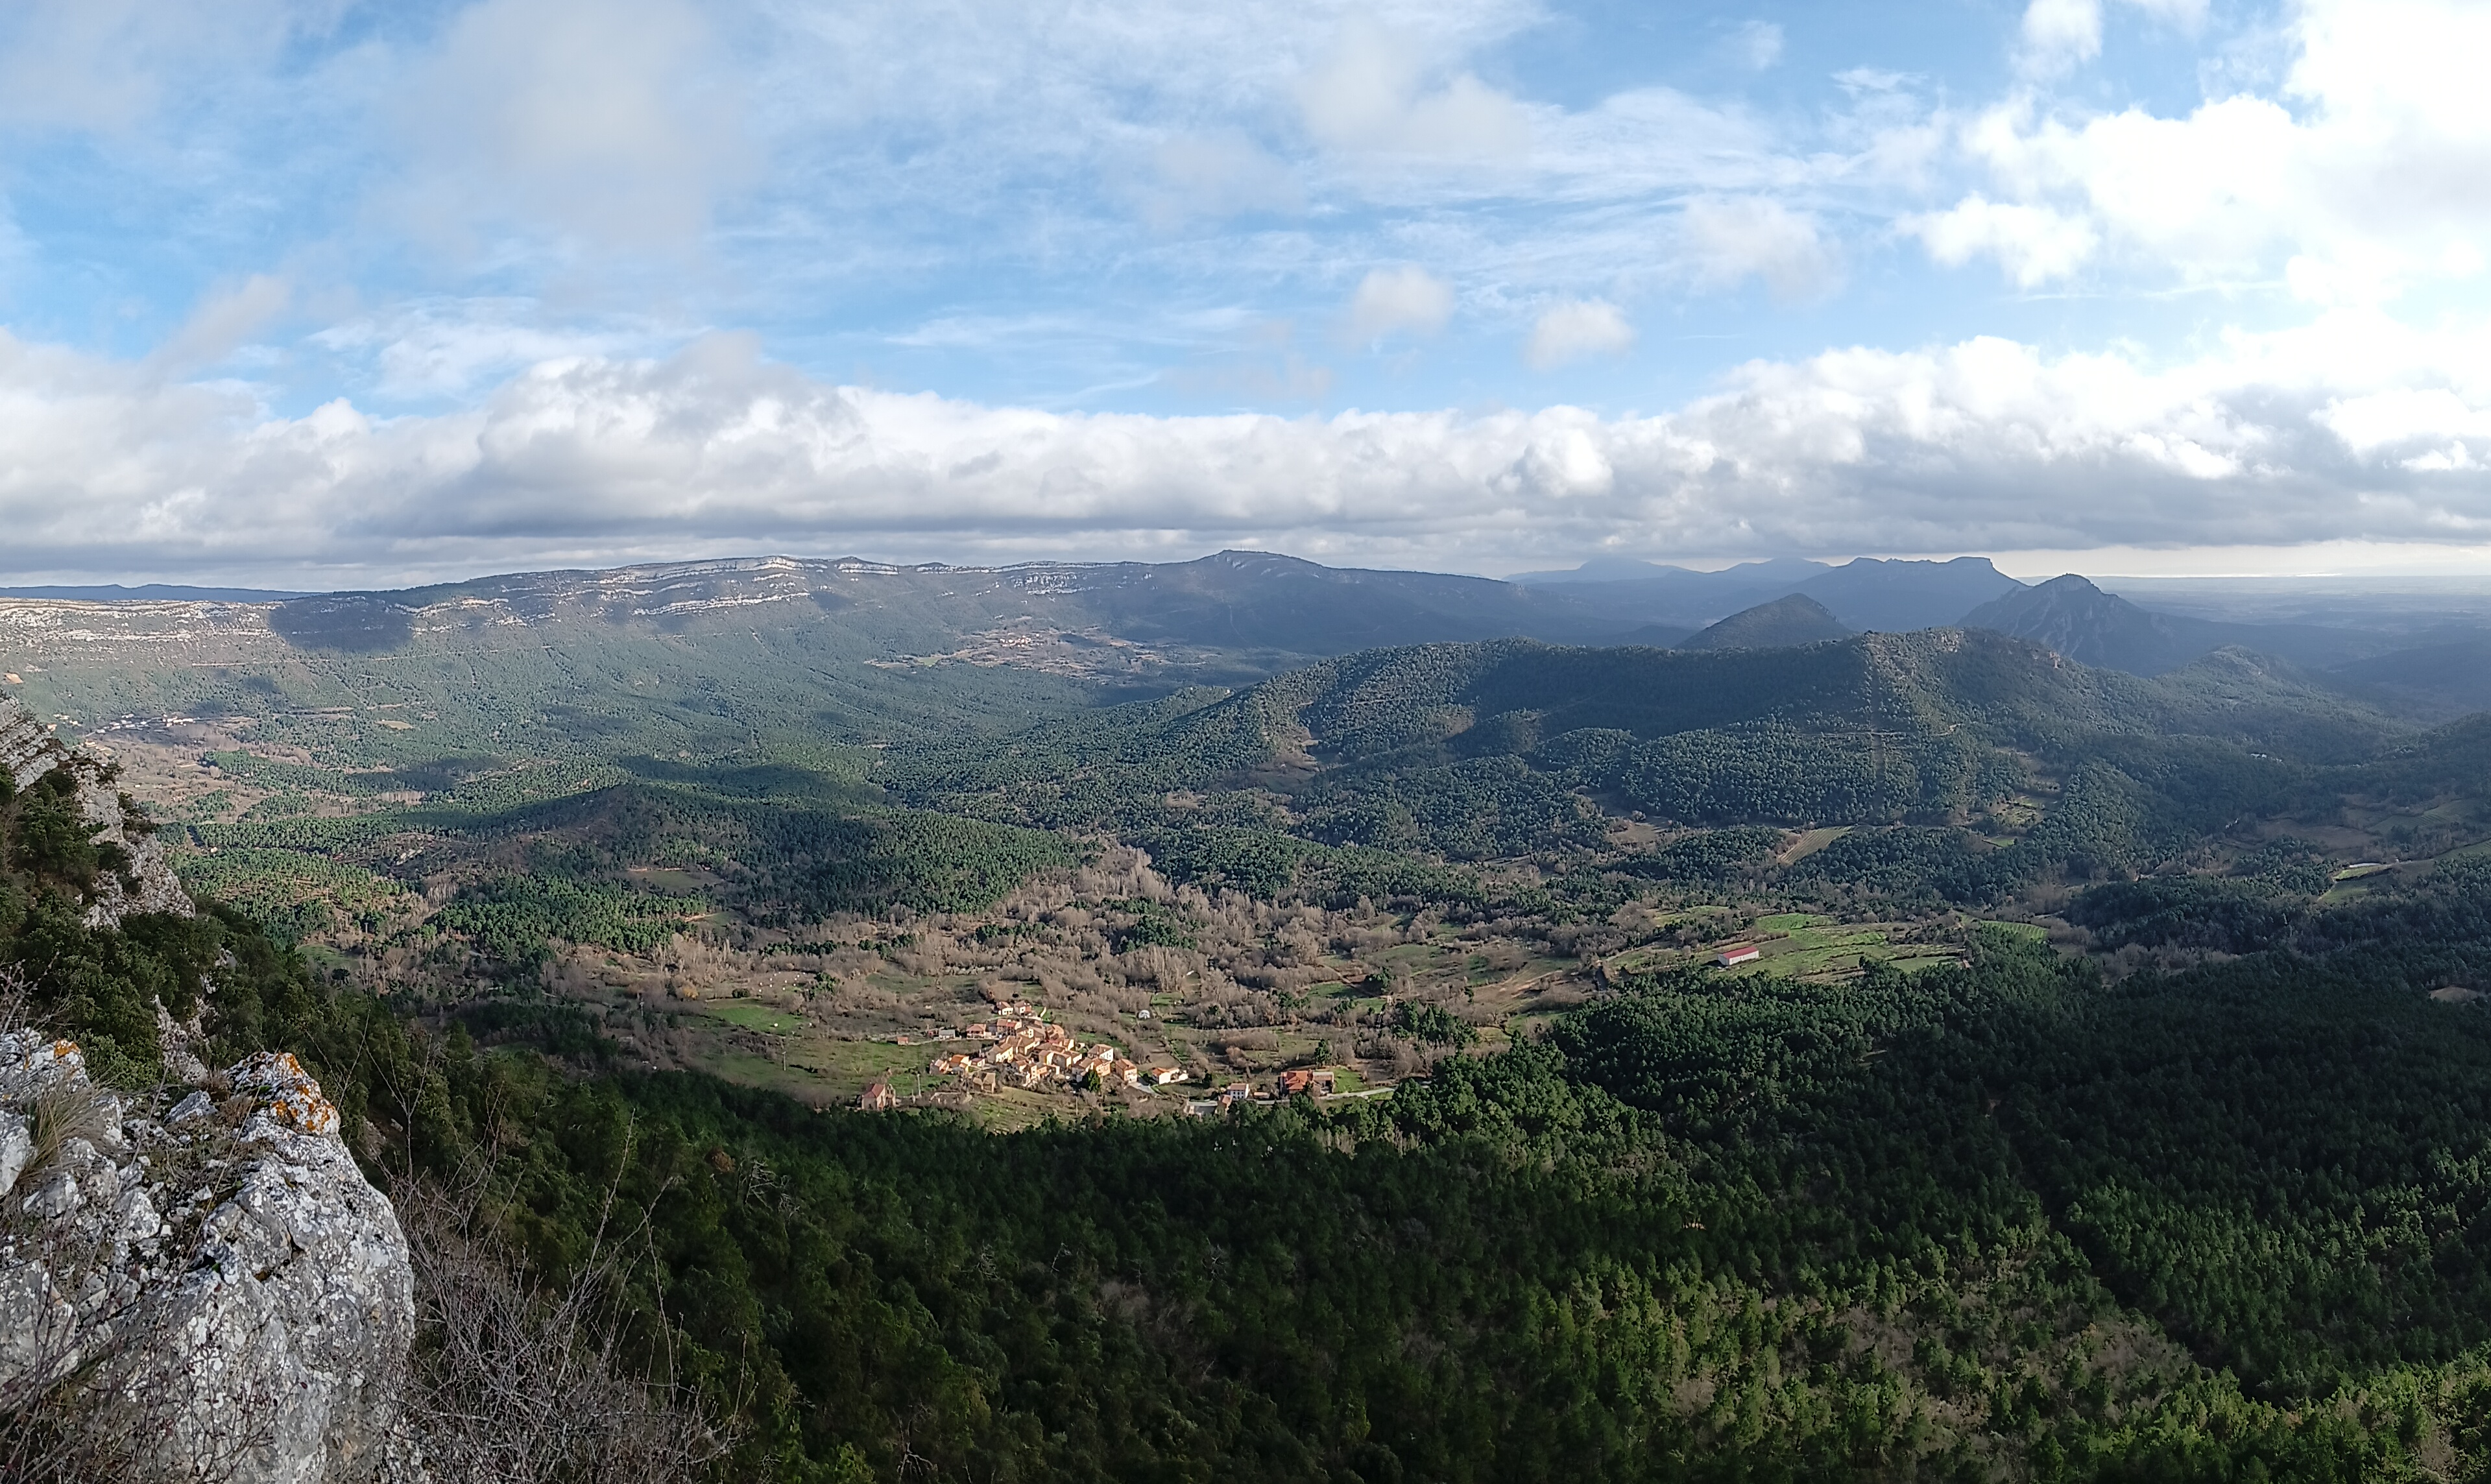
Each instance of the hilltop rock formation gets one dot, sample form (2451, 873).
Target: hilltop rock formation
(143, 883)
(209, 1291)
(27, 752)
(197, 1283)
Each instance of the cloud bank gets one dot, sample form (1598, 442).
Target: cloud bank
(2351, 428)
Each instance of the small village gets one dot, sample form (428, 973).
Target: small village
(1024, 1049)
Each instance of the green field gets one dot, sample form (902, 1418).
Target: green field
(753, 1017)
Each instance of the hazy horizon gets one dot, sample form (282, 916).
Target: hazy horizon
(2377, 581)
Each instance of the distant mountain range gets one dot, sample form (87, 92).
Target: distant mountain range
(2080, 621)
(1865, 594)
(1266, 607)
(154, 593)
(1897, 598)
(1237, 613)
(1251, 601)
(1780, 572)
(2448, 674)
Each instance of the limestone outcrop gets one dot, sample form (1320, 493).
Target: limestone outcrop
(27, 748)
(213, 1286)
(145, 883)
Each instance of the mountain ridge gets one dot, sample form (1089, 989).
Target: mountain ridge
(1784, 622)
(2071, 617)
(1867, 593)
(1898, 596)
(1488, 748)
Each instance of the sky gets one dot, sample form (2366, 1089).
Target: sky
(313, 293)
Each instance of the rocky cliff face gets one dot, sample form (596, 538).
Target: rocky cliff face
(29, 751)
(197, 1282)
(213, 1286)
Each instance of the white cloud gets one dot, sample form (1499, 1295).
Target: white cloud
(224, 320)
(2361, 173)
(600, 121)
(2057, 34)
(2455, 458)
(950, 175)
(1561, 462)
(2353, 428)
(1219, 176)
(2402, 416)
(2187, 15)
(794, 148)
(1575, 329)
(1646, 142)
(1731, 239)
(430, 349)
(1373, 94)
(2033, 243)
(110, 65)
(1397, 299)
(75, 64)
(1758, 43)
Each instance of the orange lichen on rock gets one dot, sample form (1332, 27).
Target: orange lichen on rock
(41, 1059)
(293, 1096)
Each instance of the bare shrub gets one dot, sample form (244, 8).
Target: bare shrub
(1295, 944)
(1503, 957)
(1407, 1059)
(519, 1381)
(1230, 1005)
(1120, 872)
(849, 963)
(926, 958)
(1356, 941)
(1165, 968)
(1249, 1040)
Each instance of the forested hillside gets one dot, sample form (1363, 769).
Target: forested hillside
(1899, 1057)
(1492, 750)
(2006, 1220)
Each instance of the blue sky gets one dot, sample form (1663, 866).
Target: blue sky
(311, 292)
